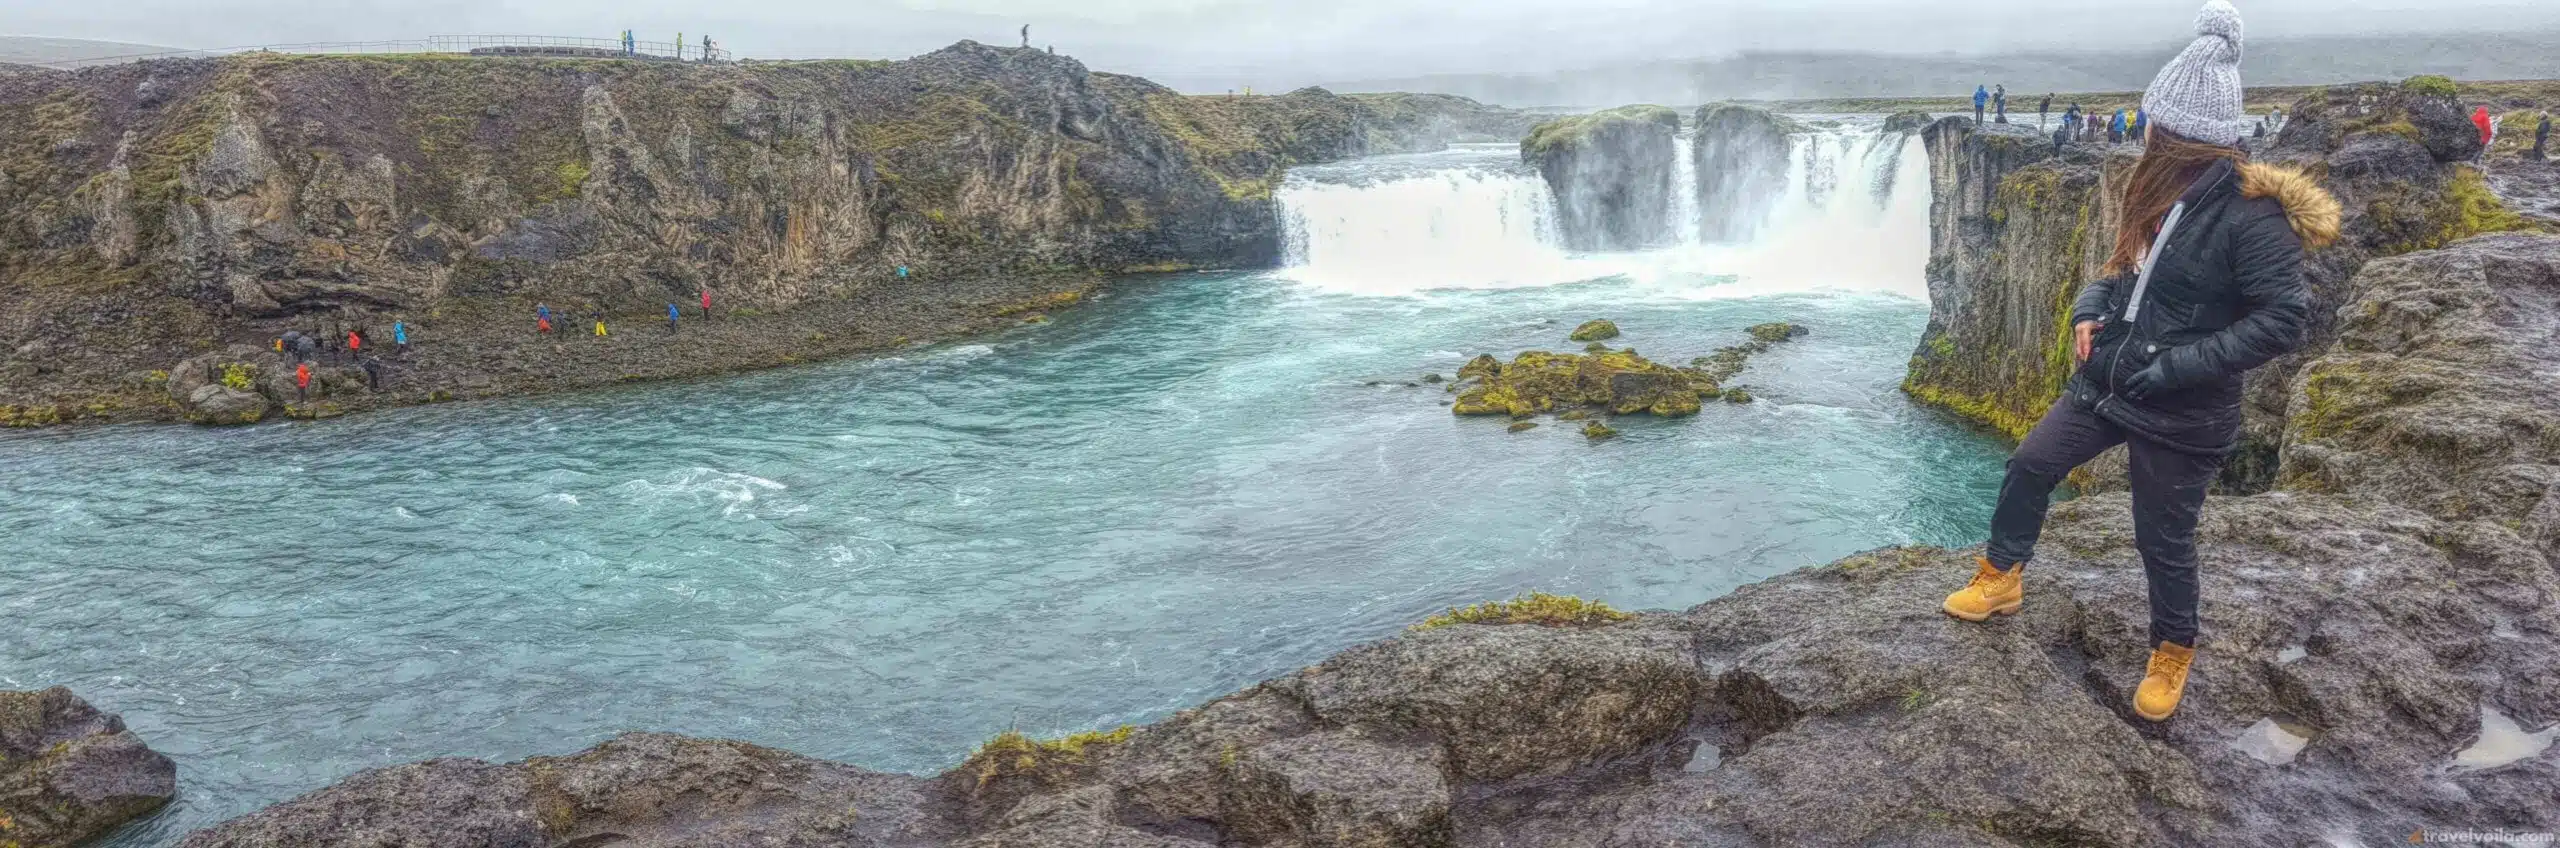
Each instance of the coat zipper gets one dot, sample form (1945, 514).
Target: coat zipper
(2141, 287)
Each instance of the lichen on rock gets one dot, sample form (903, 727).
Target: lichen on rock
(1595, 330)
(70, 773)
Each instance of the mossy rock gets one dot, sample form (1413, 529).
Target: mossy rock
(1013, 754)
(1595, 330)
(1596, 431)
(1540, 381)
(1538, 608)
(2432, 85)
(1776, 331)
(1572, 130)
(1523, 426)
(1737, 396)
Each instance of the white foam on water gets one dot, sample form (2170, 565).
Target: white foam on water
(2503, 741)
(734, 491)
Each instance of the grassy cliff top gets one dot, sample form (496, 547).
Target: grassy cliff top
(1573, 129)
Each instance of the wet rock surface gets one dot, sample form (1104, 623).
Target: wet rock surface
(69, 773)
(1611, 173)
(640, 789)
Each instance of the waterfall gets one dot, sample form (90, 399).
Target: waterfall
(1686, 220)
(1847, 214)
(1398, 225)
(1875, 236)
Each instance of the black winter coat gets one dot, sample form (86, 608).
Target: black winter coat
(2225, 295)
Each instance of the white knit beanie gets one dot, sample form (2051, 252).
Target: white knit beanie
(2198, 94)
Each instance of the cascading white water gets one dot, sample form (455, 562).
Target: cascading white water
(1817, 236)
(1685, 218)
(1474, 218)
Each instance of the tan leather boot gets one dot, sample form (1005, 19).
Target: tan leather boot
(1992, 592)
(2165, 683)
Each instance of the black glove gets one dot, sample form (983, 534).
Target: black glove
(2149, 381)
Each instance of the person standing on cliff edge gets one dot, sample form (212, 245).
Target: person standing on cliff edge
(2204, 284)
(1981, 98)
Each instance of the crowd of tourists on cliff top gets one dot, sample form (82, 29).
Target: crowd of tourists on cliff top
(2079, 126)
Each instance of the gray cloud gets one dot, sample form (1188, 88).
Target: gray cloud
(1220, 44)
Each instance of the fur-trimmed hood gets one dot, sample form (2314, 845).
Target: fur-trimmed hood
(2314, 213)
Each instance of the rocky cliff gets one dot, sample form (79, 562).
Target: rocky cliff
(2015, 229)
(154, 212)
(1741, 156)
(1611, 173)
(69, 773)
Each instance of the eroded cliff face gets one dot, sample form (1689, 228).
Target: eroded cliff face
(152, 212)
(1611, 173)
(1741, 156)
(2016, 229)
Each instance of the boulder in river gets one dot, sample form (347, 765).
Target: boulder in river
(70, 773)
(1906, 122)
(1611, 174)
(1598, 329)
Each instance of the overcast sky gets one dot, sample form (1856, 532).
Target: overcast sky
(1209, 44)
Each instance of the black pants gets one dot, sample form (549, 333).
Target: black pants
(2168, 493)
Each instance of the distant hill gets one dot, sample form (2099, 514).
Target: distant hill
(70, 52)
(1807, 75)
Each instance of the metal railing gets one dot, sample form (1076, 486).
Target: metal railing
(473, 45)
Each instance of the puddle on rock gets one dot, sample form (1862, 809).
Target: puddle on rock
(2503, 741)
(1707, 758)
(2272, 742)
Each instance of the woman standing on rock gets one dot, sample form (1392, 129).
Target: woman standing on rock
(2205, 284)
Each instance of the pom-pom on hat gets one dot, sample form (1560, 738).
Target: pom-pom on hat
(2197, 94)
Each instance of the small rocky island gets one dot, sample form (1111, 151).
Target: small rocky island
(1604, 380)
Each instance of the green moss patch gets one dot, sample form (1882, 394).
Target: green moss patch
(1012, 753)
(1538, 608)
(1550, 135)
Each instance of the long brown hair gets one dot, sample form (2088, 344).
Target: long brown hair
(2170, 163)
